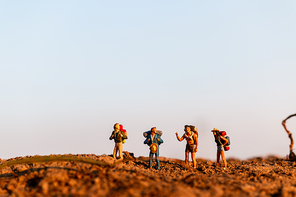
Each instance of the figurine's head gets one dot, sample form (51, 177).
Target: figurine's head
(116, 126)
(187, 129)
(153, 130)
(215, 131)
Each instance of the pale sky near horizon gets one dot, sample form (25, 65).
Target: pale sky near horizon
(69, 70)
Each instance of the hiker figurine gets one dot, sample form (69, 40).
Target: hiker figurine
(118, 137)
(192, 143)
(221, 142)
(153, 140)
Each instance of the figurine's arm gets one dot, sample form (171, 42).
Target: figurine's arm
(195, 142)
(224, 140)
(178, 138)
(147, 140)
(159, 139)
(112, 136)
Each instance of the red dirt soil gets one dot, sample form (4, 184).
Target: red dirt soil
(271, 176)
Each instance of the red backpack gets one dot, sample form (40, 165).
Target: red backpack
(123, 130)
(224, 134)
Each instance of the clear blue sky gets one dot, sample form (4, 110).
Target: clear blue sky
(69, 70)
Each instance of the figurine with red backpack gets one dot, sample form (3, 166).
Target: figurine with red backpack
(223, 142)
(119, 136)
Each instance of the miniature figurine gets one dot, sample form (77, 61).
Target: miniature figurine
(221, 142)
(118, 137)
(192, 140)
(153, 140)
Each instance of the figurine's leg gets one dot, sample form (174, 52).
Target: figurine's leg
(218, 158)
(114, 151)
(186, 157)
(157, 160)
(120, 150)
(223, 158)
(193, 159)
(150, 159)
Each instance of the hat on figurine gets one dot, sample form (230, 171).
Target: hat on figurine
(153, 148)
(215, 129)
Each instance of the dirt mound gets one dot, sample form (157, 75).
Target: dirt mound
(87, 176)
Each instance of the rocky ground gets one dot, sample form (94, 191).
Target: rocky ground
(269, 176)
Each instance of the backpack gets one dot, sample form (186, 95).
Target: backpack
(224, 134)
(194, 129)
(146, 133)
(123, 130)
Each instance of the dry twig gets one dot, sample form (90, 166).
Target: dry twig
(292, 154)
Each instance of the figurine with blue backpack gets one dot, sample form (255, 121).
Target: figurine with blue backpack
(153, 140)
(223, 142)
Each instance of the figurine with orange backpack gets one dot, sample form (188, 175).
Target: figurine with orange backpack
(223, 142)
(191, 136)
(118, 136)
